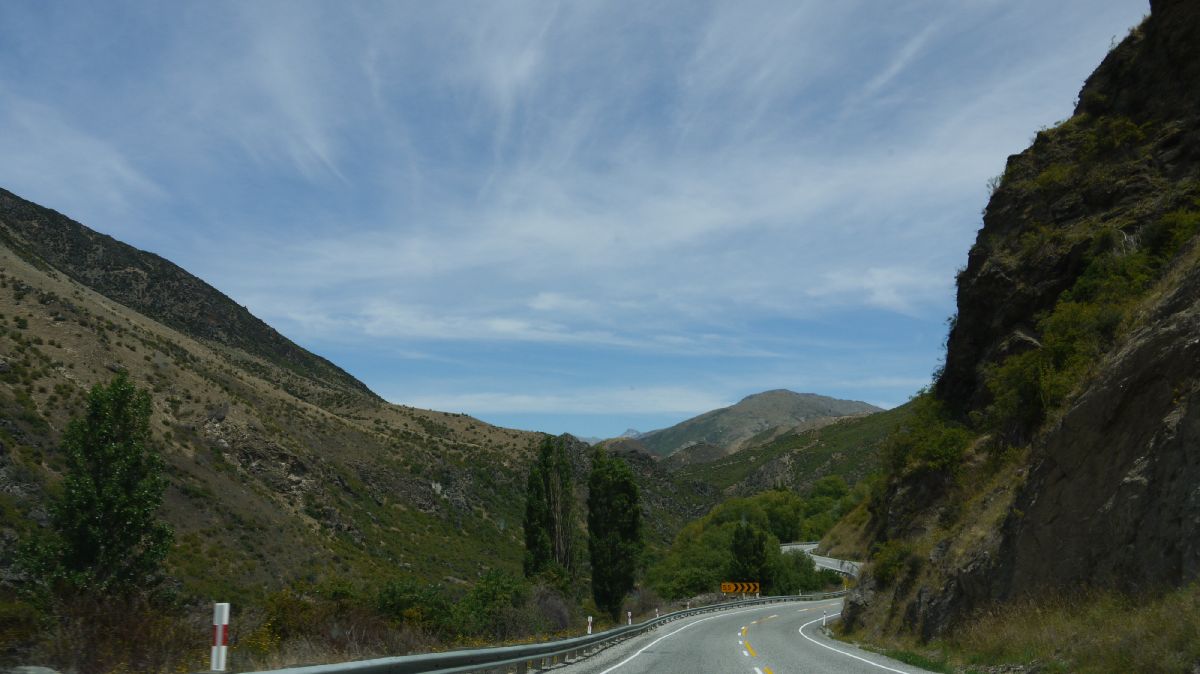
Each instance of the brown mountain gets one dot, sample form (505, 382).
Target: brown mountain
(757, 419)
(282, 466)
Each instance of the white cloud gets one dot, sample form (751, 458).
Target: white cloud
(898, 62)
(49, 159)
(628, 400)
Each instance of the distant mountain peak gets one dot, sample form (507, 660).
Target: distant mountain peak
(756, 417)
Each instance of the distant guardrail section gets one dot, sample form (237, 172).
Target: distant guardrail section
(842, 566)
(526, 658)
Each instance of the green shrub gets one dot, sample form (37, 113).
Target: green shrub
(1053, 176)
(1082, 327)
(492, 607)
(892, 559)
(927, 441)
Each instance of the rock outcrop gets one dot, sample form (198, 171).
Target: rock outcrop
(1101, 487)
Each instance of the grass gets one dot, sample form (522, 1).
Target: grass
(1091, 633)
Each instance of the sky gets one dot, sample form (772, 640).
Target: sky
(560, 216)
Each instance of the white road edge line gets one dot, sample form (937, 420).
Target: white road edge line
(849, 655)
(643, 648)
(757, 670)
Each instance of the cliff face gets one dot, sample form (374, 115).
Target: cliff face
(1113, 496)
(1073, 365)
(1131, 154)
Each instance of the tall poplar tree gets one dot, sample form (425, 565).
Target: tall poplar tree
(614, 530)
(107, 537)
(550, 511)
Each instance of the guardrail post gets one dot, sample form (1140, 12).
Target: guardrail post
(220, 647)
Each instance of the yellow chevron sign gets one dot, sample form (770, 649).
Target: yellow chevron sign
(739, 588)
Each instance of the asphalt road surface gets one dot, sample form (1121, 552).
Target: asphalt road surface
(781, 638)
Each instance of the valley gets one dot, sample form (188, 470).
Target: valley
(443, 208)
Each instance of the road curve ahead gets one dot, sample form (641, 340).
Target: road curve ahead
(772, 639)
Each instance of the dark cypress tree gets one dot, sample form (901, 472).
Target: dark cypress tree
(550, 511)
(614, 531)
(107, 537)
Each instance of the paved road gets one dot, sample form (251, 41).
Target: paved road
(840, 565)
(773, 639)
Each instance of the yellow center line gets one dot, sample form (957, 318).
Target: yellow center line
(767, 670)
(750, 650)
(743, 631)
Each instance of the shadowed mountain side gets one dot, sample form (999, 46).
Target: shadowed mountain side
(160, 290)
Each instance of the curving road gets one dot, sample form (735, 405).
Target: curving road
(839, 565)
(772, 639)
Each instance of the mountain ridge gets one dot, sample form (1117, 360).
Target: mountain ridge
(155, 287)
(755, 418)
(269, 439)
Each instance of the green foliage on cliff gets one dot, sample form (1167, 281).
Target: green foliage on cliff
(927, 440)
(1084, 323)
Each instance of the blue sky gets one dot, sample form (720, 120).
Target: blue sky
(574, 216)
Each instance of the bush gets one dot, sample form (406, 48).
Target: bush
(1083, 325)
(701, 556)
(891, 559)
(928, 441)
(403, 600)
(490, 607)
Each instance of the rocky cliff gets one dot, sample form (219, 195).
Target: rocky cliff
(1069, 407)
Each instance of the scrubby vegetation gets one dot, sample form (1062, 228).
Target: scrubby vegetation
(718, 546)
(1120, 267)
(1089, 632)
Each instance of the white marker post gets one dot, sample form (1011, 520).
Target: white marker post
(689, 605)
(220, 645)
(629, 617)
(655, 613)
(822, 618)
(589, 624)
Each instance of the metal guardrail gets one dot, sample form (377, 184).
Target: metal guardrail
(842, 566)
(532, 657)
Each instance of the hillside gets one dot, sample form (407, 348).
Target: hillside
(756, 419)
(849, 447)
(283, 468)
(1057, 451)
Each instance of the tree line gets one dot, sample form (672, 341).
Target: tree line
(614, 524)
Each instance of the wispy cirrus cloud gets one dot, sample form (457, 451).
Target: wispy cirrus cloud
(647, 193)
